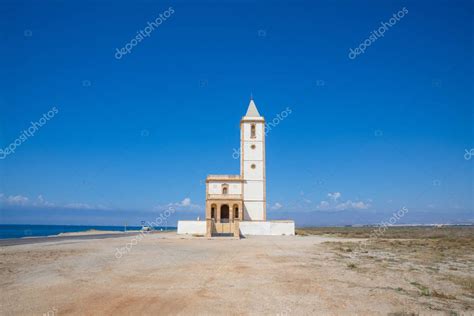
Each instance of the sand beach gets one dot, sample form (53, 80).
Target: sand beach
(168, 274)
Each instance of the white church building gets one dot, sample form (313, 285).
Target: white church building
(236, 205)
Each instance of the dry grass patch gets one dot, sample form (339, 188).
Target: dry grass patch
(435, 265)
(398, 232)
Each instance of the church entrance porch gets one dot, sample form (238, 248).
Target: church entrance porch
(223, 217)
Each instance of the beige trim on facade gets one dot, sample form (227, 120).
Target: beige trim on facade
(224, 177)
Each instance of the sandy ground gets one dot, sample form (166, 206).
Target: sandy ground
(169, 274)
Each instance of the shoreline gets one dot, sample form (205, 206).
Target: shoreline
(33, 231)
(83, 236)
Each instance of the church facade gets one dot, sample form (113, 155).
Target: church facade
(234, 198)
(237, 204)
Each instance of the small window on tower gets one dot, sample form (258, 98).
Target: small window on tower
(252, 131)
(253, 166)
(253, 146)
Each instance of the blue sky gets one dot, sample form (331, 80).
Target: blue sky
(365, 137)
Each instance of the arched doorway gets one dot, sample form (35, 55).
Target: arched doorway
(225, 213)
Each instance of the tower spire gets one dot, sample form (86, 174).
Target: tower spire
(252, 109)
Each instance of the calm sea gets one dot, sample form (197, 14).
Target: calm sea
(20, 231)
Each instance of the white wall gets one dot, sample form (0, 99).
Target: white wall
(282, 228)
(192, 228)
(253, 173)
(215, 187)
(267, 228)
(253, 191)
(253, 154)
(254, 210)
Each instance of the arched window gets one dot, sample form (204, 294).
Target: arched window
(236, 211)
(252, 131)
(225, 188)
(213, 211)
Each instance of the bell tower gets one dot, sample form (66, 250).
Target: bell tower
(252, 164)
